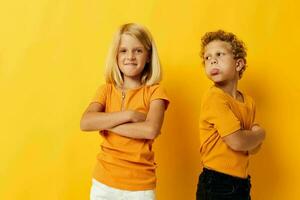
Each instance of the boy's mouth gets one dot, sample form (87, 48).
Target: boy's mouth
(214, 71)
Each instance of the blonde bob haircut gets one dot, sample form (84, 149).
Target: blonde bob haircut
(152, 72)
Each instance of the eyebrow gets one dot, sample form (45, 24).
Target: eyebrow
(206, 54)
(138, 47)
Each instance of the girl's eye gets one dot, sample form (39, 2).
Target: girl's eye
(139, 51)
(122, 50)
(220, 54)
(206, 57)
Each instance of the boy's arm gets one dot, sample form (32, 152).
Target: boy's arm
(94, 119)
(148, 129)
(255, 150)
(245, 140)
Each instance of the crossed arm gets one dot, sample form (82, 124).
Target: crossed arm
(246, 140)
(126, 123)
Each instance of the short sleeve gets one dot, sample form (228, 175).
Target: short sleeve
(253, 111)
(216, 111)
(100, 95)
(158, 92)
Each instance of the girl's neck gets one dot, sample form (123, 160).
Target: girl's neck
(131, 83)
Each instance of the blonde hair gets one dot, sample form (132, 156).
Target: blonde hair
(151, 74)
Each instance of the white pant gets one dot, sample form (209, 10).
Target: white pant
(100, 191)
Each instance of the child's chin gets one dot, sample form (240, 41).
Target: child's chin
(131, 75)
(216, 80)
(220, 83)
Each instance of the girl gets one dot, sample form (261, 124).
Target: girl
(128, 111)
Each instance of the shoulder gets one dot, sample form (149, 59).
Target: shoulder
(104, 86)
(213, 95)
(156, 86)
(248, 99)
(155, 89)
(103, 89)
(101, 93)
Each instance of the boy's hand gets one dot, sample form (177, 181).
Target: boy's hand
(135, 116)
(260, 130)
(255, 127)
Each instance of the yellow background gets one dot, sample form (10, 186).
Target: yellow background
(51, 61)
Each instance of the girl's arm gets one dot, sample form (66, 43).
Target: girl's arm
(148, 129)
(94, 119)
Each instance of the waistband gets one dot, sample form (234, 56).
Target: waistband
(220, 175)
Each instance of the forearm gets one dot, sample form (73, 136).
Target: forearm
(97, 121)
(138, 130)
(146, 129)
(249, 140)
(255, 150)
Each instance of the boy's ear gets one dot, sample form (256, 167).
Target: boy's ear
(240, 64)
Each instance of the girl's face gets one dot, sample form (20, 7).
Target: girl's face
(132, 56)
(220, 65)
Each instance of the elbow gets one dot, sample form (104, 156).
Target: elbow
(153, 132)
(236, 142)
(237, 146)
(84, 125)
(88, 125)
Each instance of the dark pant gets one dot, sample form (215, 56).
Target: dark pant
(214, 185)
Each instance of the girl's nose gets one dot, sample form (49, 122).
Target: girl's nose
(130, 55)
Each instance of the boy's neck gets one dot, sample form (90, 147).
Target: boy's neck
(229, 87)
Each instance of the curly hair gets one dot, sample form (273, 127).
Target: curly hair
(238, 46)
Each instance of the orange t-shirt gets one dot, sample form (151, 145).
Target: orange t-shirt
(123, 162)
(220, 116)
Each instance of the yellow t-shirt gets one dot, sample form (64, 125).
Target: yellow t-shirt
(220, 116)
(127, 163)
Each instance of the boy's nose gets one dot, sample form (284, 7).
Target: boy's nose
(213, 61)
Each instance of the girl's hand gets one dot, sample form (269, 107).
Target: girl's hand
(135, 116)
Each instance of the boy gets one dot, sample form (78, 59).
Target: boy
(227, 130)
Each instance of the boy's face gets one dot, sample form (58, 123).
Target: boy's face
(220, 65)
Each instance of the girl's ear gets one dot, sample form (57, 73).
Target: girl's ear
(240, 64)
(148, 58)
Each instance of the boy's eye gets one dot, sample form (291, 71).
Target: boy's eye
(220, 54)
(206, 57)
